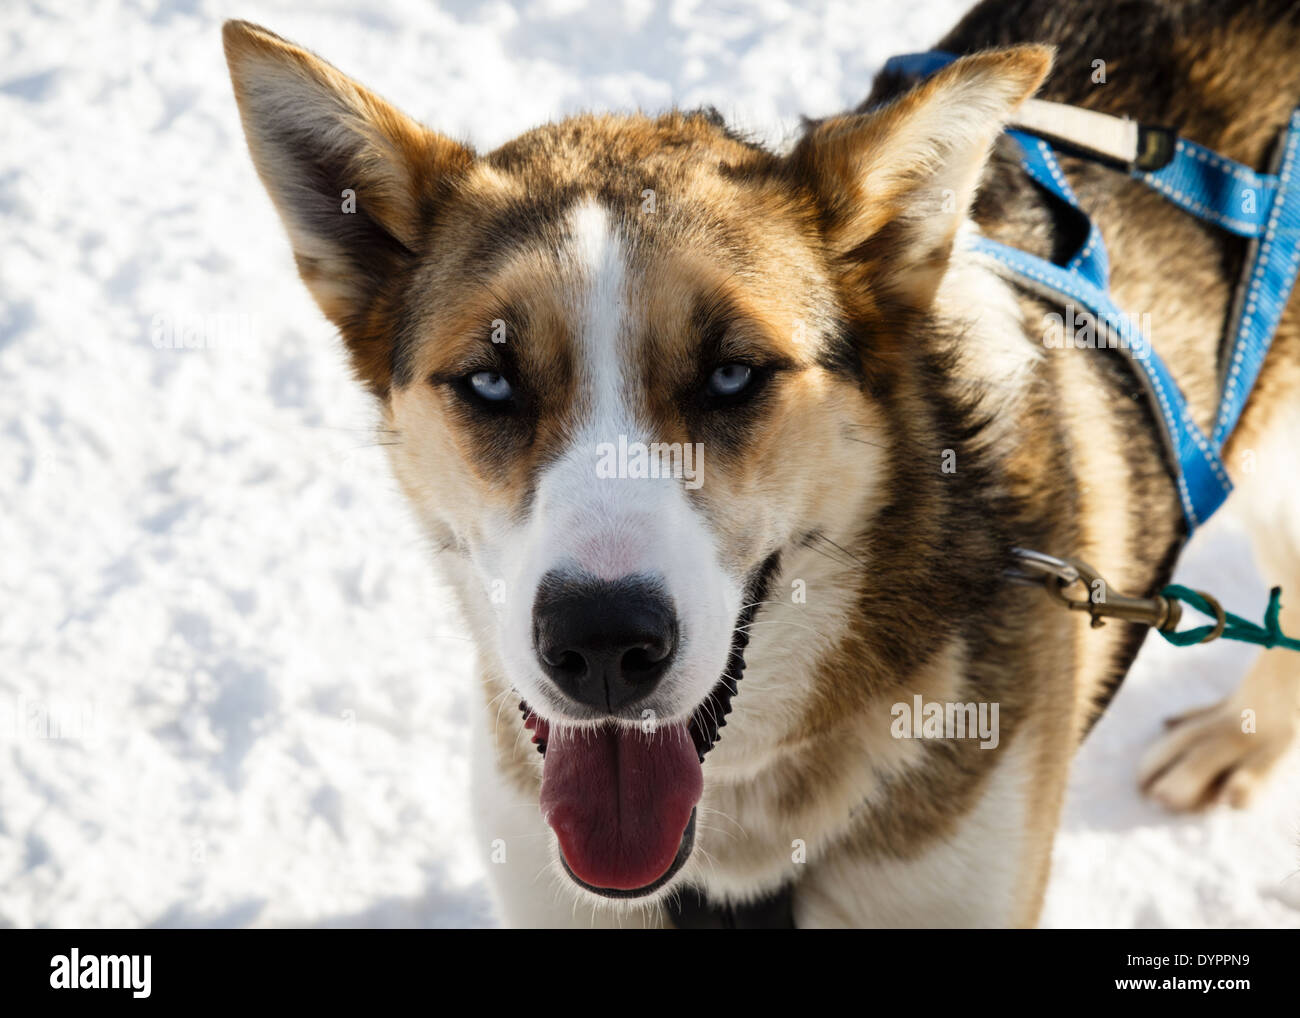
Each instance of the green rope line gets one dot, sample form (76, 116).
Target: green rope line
(1235, 628)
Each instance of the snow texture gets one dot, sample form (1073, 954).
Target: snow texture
(232, 692)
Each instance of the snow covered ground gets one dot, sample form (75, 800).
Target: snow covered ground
(231, 692)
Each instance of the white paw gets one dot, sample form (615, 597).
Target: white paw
(1217, 754)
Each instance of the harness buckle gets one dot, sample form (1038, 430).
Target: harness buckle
(1156, 148)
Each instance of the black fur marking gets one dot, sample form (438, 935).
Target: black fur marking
(840, 354)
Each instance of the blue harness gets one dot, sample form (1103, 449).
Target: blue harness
(1262, 207)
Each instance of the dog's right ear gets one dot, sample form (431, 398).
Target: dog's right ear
(352, 178)
(896, 182)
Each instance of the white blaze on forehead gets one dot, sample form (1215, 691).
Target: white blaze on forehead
(598, 255)
(602, 526)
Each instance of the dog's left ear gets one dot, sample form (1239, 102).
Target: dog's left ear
(895, 183)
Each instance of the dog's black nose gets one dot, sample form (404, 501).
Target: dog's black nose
(605, 644)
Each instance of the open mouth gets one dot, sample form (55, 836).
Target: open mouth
(622, 800)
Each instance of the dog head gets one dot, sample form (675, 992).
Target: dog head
(630, 361)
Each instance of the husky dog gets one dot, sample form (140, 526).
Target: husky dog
(674, 406)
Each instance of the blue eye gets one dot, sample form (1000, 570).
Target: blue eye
(730, 379)
(490, 386)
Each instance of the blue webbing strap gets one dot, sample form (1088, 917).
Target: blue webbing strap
(1201, 479)
(1271, 270)
(1039, 161)
(1215, 189)
(1233, 197)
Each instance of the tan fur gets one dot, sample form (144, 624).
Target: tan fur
(838, 267)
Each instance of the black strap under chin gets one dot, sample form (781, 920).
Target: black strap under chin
(691, 910)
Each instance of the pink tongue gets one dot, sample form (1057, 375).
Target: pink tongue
(619, 801)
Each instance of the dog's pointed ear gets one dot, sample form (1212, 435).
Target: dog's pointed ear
(894, 184)
(352, 178)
